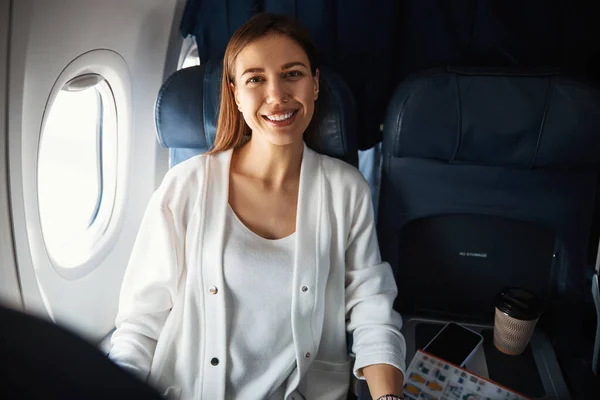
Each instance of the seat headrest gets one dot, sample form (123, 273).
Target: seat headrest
(187, 110)
(495, 117)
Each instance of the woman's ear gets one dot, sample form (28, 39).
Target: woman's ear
(316, 83)
(234, 91)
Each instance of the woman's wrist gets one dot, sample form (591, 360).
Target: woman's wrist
(391, 397)
(384, 380)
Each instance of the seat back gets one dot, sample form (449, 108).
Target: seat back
(488, 180)
(187, 110)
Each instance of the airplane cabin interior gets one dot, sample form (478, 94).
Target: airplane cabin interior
(476, 124)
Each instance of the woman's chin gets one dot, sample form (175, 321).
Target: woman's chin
(282, 138)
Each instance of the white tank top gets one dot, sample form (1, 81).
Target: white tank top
(258, 278)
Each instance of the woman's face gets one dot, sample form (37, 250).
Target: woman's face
(275, 90)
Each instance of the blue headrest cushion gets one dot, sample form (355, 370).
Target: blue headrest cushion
(187, 107)
(187, 110)
(494, 117)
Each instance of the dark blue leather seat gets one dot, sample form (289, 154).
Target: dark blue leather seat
(187, 110)
(489, 180)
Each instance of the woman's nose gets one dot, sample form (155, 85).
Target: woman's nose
(276, 93)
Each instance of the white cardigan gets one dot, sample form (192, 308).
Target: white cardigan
(171, 320)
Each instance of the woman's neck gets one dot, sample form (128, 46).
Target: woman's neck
(271, 164)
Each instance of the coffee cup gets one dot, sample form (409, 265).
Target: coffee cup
(517, 313)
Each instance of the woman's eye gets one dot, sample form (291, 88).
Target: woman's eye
(293, 74)
(254, 79)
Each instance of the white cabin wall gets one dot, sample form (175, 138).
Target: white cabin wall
(46, 36)
(10, 293)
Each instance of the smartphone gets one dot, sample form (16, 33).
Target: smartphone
(455, 344)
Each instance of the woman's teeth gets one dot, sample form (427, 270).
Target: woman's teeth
(280, 117)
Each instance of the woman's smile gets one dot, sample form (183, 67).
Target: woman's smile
(281, 118)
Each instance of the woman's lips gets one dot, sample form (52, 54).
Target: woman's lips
(281, 119)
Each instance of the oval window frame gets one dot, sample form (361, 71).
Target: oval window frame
(113, 68)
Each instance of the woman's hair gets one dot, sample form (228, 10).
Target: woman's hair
(232, 130)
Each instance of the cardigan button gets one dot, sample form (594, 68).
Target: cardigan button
(213, 290)
(214, 361)
(305, 289)
(307, 355)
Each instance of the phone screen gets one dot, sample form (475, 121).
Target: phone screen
(454, 344)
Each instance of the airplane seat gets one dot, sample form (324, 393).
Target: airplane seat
(489, 180)
(187, 110)
(41, 360)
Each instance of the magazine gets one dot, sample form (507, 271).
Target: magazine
(431, 378)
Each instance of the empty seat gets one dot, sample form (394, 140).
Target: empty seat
(187, 110)
(488, 180)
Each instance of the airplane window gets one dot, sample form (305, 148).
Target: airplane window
(189, 53)
(77, 169)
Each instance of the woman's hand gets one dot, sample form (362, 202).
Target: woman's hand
(383, 379)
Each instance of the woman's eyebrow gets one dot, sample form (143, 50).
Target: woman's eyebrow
(293, 64)
(252, 71)
(283, 67)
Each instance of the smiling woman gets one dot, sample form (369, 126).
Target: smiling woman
(255, 260)
(232, 128)
(279, 93)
